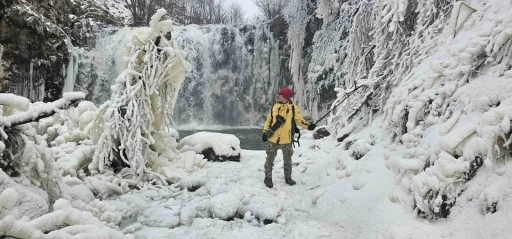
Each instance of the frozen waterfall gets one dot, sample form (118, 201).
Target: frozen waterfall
(235, 72)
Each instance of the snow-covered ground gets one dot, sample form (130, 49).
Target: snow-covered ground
(336, 196)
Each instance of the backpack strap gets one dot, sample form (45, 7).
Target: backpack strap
(295, 129)
(271, 115)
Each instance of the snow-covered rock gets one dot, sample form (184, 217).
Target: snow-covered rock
(31, 201)
(225, 206)
(214, 146)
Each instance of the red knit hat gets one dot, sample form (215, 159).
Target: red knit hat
(286, 93)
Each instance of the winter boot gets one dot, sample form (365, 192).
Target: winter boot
(289, 181)
(268, 182)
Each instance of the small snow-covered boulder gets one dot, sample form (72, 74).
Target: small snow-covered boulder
(86, 118)
(8, 198)
(80, 191)
(31, 201)
(359, 149)
(85, 106)
(321, 133)
(161, 217)
(214, 146)
(193, 183)
(174, 133)
(187, 215)
(264, 208)
(224, 206)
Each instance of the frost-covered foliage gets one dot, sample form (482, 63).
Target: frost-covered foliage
(20, 200)
(296, 14)
(26, 156)
(328, 53)
(441, 82)
(383, 48)
(452, 113)
(142, 100)
(32, 180)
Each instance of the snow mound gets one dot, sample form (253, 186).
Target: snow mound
(30, 201)
(264, 208)
(225, 206)
(161, 217)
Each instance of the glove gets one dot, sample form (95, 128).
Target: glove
(311, 126)
(268, 133)
(264, 137)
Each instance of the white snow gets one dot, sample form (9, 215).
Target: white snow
(8, 198)
(11, 102)
(224, 206)
(451, 150)
(222, 144)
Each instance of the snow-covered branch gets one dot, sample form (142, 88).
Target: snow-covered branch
(38, 111)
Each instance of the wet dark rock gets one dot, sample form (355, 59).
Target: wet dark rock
(321, 133)
(35, 40)
(343, 137)
(267, 221)
(210, 154)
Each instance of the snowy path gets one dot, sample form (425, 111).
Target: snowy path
(246, 178)
(335, 197)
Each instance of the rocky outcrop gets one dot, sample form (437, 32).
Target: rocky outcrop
(36, 38)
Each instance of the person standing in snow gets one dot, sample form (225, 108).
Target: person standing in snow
(278, 131)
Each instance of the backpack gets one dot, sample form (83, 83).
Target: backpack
(295, 129)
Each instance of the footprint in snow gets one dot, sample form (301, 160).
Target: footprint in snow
(358, 185)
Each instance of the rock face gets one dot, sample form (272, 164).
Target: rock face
(36, 38)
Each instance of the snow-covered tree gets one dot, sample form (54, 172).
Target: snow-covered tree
(296, 15)
(471, 111)
(383, 49)
(142, 101)
(270, 8)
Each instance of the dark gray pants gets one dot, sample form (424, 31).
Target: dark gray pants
(287, 150)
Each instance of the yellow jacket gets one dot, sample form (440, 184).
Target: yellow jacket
(283, 134)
